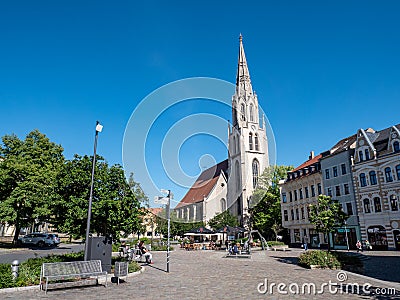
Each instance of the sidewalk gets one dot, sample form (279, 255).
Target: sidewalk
(207, 275)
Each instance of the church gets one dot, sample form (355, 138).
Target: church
(229, 185)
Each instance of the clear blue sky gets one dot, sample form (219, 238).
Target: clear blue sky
(321, 69)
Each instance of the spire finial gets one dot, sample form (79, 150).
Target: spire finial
(240, 37)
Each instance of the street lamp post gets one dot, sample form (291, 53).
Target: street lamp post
(99, 128)
(167, 201)
(347, 239)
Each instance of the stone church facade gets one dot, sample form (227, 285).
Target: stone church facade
(230, 184)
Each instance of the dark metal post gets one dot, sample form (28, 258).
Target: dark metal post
(169, 224)
(91, 196)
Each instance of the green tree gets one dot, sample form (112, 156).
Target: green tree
(327, 215)
(115, 208)
(28, 185)
(177, 226)
(265, 205)
(223, 219)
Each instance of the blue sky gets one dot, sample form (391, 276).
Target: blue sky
(321, 69)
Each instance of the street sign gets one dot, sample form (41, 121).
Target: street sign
(160, 200)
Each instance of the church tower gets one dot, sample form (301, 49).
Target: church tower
(247, 142)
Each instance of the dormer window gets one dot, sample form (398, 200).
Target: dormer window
(366, 154)
(396, 146)
(361, 155)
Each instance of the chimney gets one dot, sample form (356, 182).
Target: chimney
(311, 155)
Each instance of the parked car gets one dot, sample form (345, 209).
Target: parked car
(38, 239)
(55, 238)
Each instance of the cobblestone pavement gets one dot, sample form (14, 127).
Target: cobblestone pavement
(384, 265)
(208, 275)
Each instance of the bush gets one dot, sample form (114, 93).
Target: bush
(133, 267)
(320, 258)
(161, 248)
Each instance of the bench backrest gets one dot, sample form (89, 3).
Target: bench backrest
(71, 268)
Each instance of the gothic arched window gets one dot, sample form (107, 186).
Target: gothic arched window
(251, 113)
(234, 145)
(223, 204)
(255, 168)
(250, 141)
(256, 142)
(237, 169)
(242, 112)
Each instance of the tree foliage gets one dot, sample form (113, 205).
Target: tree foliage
(38, 185)
(327, 215)
(265, 206)
(177, 226)
(28, 184)
(115, 206)
(223, 219)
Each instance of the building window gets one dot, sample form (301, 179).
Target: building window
(285, 215)
(398, 172)
(361, 155)
(237, 146)
(237, 176)
(242, 112)
(337, 190)
(312, 191)
(344, 171)
(250, 141)
(396, 146)
(366, 154)
(302, 213)
(292, 213)
(346, 189)
(306, 191)
(367, 207)
(255, 173)
(363, 179)
(290, 196)
(295, 195)
(393, 203)
(388, 174)
(372, 177)
(335, 172)
(256, 144)
(308, 212)
(301, 193)
(251, 113)
(329, 192)
(319, 189)
(297, 214)
(377, 204)
(234, 145)
(327, 174)
(284, 197)
(223, 204)
(349, 208)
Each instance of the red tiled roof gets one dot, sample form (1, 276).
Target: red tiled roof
(155, 210)
(308, 163)
(204, 184)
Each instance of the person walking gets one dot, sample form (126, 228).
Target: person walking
(359, 246)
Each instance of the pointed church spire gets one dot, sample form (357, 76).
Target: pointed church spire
(243, 83)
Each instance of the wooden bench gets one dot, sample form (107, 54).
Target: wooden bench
(70, 270)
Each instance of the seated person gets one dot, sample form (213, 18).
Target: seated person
(145, 252)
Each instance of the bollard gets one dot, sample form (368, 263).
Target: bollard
(15, 268)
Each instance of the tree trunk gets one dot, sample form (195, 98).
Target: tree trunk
(16, 234)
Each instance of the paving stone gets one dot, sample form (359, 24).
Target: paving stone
(208, 275)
